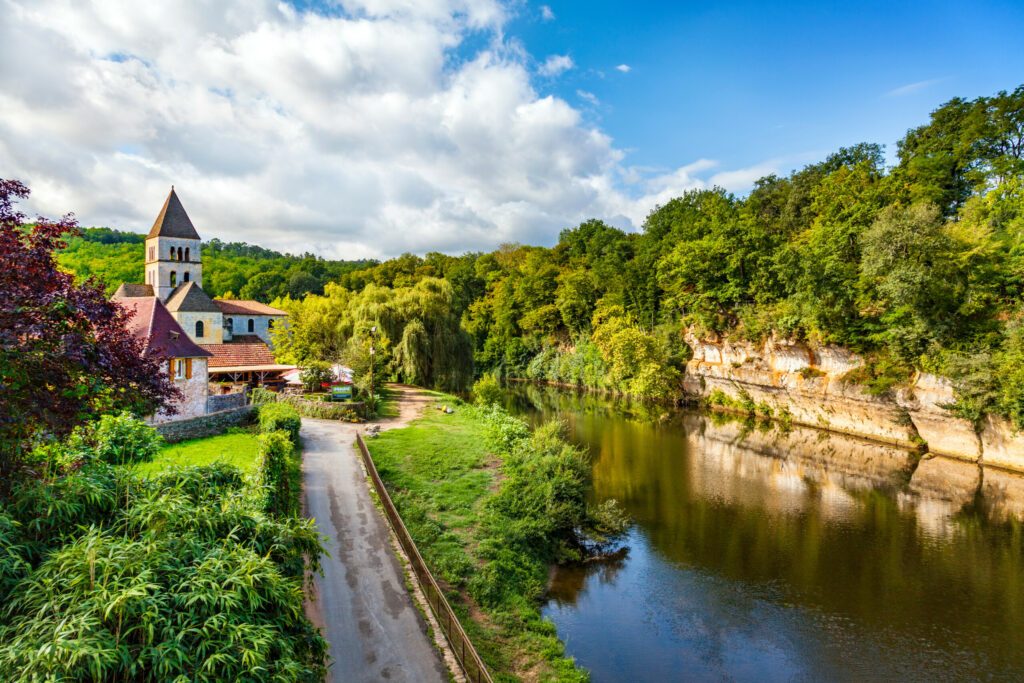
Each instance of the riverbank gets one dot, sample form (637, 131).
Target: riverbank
(448, 474)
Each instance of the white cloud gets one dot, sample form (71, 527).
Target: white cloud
(353, 134)
(911, 88)
(546, 13)
(555, 65)
(624, 68)
(588, 97)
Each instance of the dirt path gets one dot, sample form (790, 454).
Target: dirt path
(373, 629)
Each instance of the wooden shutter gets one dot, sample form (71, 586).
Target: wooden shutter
(170, 367)
(188, 368)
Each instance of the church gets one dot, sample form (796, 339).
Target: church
(204, 341)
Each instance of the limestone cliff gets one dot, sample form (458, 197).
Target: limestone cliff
(807, 384)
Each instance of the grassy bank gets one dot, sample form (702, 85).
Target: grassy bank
(238, 449)
(491, 507)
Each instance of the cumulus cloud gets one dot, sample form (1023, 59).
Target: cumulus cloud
(364, 132)
(555, 65)
(624, 68)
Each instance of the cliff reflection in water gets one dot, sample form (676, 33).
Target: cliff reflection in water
(815, 554)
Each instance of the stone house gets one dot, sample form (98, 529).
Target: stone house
(184, 360)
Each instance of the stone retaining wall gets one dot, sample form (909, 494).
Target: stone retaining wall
(217, 403)
(205, 425)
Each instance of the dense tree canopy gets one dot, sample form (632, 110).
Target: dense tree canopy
(230, 269)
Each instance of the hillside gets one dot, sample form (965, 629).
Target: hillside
(238, 269)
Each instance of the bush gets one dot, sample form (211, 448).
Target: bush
(487, 390)
(280, 416)
(113, 439)
(278, 473)
(316, 374)
(177, 578)
(503, 430)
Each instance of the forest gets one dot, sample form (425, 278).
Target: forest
(230, 269)
(917, 264)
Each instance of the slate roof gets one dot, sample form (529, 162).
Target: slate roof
(189, 297)
(245, 350)
(128, 290)
(173, 221)
(159, 332)
(247, 307)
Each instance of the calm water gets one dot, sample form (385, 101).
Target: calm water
(762, 556)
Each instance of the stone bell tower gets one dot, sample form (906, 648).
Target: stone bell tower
(173, 250)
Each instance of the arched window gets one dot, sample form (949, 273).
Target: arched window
(230, 324)
(179, 254)
(270, 324)
(252, 325)
(174, 278)
(186, 253)
(185, 276)
(173, 253)
(199, 328)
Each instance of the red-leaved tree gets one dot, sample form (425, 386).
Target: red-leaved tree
(66, 354)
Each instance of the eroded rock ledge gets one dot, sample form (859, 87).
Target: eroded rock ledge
(806, 383)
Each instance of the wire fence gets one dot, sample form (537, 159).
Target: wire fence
(467, 656)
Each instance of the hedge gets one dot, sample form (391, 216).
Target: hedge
(280, 416)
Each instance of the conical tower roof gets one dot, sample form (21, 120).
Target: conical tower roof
(173, 221)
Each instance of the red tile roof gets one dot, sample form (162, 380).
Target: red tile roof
(242, 351)
(246, 307)
(159, 332)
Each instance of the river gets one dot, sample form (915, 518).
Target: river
(762, 554)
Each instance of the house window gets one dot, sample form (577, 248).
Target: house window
(199, 328)
(179, 254)
(270, 324)
(174, 278)
(181, 368)
(252, 325)
(152, 253)
(186, 253)
(184, 276)
(230, 324)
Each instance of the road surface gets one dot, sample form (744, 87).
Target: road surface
(374, 631)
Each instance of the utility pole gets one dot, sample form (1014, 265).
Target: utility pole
(373, 349)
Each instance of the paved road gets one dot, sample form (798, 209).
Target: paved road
(374, 630)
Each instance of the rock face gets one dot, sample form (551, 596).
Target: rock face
(807, 384)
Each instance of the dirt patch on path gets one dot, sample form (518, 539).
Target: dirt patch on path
(412, 401)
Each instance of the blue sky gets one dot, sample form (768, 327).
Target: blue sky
(369, 128)
(746, 82)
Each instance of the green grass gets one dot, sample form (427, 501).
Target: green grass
(388, 402)
(440, 473)
(236, 448)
